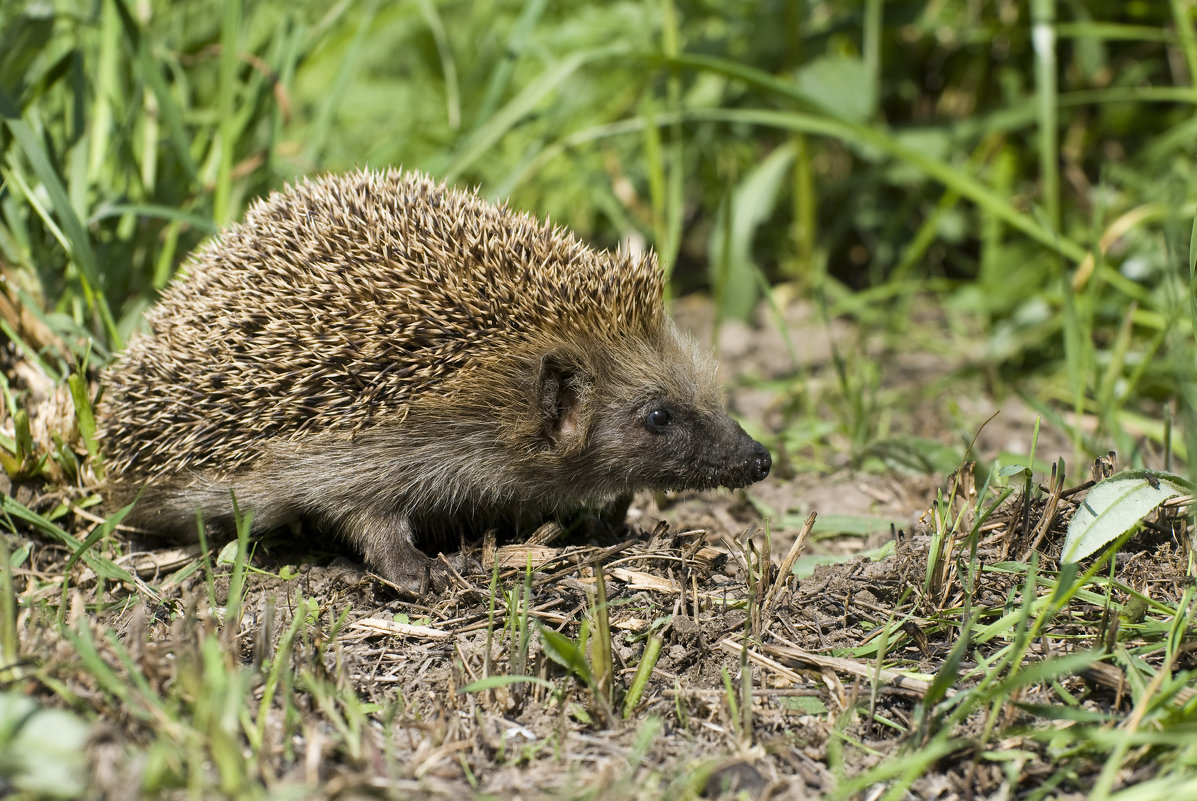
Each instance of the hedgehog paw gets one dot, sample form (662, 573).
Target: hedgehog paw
(389, 548)
(413, 573)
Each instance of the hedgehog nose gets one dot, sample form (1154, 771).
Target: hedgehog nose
(759, 463)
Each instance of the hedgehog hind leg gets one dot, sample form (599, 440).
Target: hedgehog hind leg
(173, 510)
(387, 543)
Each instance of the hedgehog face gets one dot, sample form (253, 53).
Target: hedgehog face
(646, 415)
(667, 441)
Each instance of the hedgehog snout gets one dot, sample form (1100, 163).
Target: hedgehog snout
(744, 461)
(759, 463)
(752, 466)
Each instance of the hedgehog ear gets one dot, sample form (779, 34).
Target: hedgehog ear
(561, 384)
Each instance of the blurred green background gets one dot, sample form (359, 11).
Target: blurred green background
(1023, 171)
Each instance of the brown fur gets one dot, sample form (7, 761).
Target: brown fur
(385, 356)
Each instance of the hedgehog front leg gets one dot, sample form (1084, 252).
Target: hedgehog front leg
(387, 544)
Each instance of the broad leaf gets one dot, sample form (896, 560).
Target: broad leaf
(1116, 505)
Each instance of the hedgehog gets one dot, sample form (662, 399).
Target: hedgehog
(388, 359)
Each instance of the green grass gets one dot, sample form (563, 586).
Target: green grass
(1011, 182)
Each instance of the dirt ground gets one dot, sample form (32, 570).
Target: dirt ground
(817, 708)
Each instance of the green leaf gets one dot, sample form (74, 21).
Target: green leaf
(228, 554)
(839, 84)
(1193, 277)
(85, 417)
(804, 705)
(644, 671)
(42, 751)
(854, 524)
(21, 41)
(22, 434)
(494, 682)
(1115, 506)
(752, 205)
(567, 653)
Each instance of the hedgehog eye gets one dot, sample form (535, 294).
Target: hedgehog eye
(658, 420)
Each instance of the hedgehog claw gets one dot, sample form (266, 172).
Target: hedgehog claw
(414, 574)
